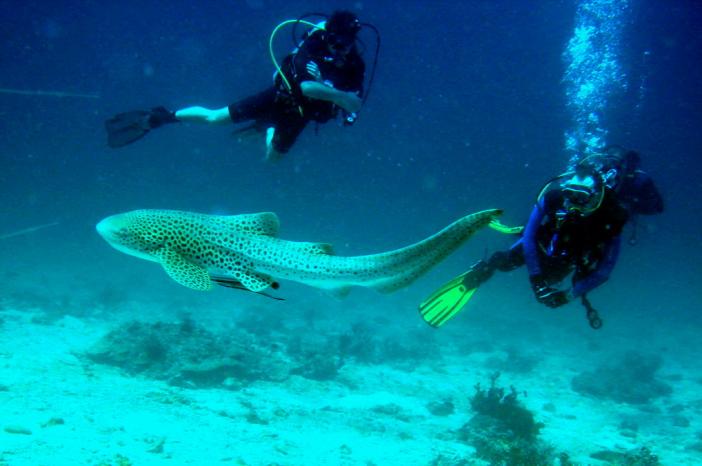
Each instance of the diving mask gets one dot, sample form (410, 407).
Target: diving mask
(582, 194)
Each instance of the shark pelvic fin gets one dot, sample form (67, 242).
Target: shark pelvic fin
(256, 282)
(183, 271)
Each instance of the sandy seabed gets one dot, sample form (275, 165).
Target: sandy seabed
(58, 408)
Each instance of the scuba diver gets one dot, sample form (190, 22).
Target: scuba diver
(574, 228)
(322, 77)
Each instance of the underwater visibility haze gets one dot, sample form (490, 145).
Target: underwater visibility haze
(474, 106)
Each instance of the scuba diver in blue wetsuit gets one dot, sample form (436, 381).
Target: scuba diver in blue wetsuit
(574, 228)
(322, 78)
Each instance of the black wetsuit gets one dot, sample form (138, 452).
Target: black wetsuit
(289, 111)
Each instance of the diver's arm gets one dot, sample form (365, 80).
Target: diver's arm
(649, 200)
(601, 273)
(531, 248)
(204, 115)
(349, 101)
(543, 291)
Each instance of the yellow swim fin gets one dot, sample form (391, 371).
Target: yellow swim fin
(448, 300)
(502, 228)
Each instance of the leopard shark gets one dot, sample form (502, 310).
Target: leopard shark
(243, 251)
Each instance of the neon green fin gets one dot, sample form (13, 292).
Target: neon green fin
(502, 228)
(447, 301)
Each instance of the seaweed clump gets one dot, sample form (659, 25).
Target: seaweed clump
(503, 431)
(640, 457)
(505, 409)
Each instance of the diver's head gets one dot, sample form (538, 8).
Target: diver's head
(342, 28)
(616, 164)
(583, 192)
(631, 161)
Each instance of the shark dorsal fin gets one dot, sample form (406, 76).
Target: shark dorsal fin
(263, 223)
(311, 248)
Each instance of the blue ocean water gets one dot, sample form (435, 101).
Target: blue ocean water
(468, 111)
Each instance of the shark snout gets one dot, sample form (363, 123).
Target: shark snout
(105, 228)
(119, 232)
(112, 228)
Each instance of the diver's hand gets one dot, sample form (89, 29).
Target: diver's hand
(554, 299)
(313, 70)
(546, 294)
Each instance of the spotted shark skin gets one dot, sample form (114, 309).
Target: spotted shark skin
(243, 251)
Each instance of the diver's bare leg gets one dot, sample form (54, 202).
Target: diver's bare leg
(204, 115)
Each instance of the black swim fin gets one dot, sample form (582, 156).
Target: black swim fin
(125, 128)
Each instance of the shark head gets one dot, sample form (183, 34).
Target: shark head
(196, 250)
(132, 233)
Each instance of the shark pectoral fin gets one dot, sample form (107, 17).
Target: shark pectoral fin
(183, 271)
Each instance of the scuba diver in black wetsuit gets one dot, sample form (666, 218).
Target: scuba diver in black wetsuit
(321, 78)
(575, 228)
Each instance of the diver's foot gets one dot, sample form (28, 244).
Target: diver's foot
(479, 273)
(272, 155)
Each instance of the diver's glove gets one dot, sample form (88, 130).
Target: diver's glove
(159, 116)
(313, 70)
(556, 299)
(546, 294)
